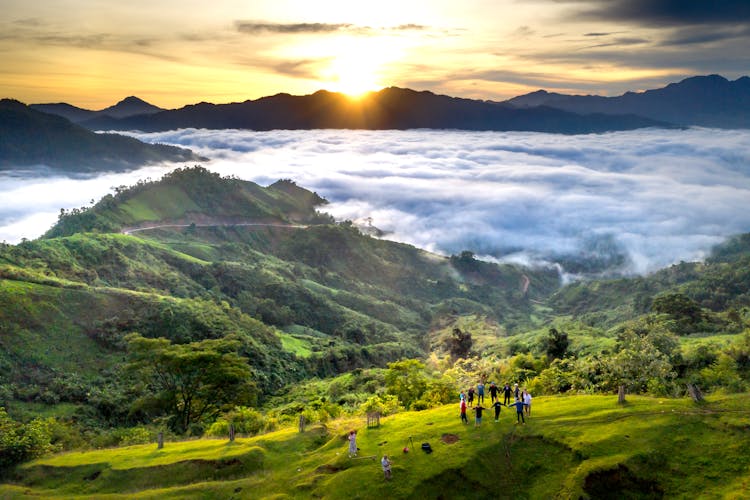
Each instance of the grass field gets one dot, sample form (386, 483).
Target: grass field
(570, 447)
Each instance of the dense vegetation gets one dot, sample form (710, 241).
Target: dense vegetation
(243, 306)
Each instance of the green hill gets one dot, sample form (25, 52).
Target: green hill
(570, 447)
(332, 323)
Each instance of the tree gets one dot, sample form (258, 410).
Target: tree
(637, 363)
(406, 380)
(555, 344)
(459, 343)
(189, 383)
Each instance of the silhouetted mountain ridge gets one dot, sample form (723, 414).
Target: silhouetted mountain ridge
(708, 101)
(30, 138)
(390, 108)
(127, 107)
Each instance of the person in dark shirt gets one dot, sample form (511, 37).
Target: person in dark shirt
(516, 392)
(519, 411)
(493, 392)
(470, 395)
(478, 412)
(497, 405)
(506, 393)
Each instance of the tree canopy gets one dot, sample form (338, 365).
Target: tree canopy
(189, 383)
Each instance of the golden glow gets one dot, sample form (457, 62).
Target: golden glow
(358, 65)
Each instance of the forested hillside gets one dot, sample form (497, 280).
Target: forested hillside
(301, 315)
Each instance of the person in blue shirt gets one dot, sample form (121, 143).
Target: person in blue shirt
(480, 392)
(519, 411)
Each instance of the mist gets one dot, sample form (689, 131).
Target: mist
(631, 202)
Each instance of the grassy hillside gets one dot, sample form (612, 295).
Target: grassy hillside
(570, 447)
(193, 196)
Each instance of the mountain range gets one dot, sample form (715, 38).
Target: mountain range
(709, 101)
(29, 138)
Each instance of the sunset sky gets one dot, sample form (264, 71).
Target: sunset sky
(92, 53)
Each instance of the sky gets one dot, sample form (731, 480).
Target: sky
(656, 196)
(93, 53)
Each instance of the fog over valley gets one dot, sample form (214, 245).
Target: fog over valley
(636, 200)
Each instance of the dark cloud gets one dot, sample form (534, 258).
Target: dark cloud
(305, 68)
(261, 27)
(621, 42)
(667, 12)
(706, 35)
(257, 28)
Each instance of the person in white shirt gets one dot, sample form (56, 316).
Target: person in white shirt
(527, 402)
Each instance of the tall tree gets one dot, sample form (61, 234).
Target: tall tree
(189, 383)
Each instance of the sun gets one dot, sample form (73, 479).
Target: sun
(358, 68)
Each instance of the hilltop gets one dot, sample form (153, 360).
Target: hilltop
(30, 138)
(571, 447)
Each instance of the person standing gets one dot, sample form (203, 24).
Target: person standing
(352, 444)
(497, 405)
(493, 392)
(480, 392)
(386, 464)
(516, 392)
(506, 394)
(478, 409)
(519, 411)
(470, 395)
(527, 402)
(463, 412)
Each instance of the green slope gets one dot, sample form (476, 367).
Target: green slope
(570, 447)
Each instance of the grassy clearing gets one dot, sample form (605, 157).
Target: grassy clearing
(298, 346)
(570, 447)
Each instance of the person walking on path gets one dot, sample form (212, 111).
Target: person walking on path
(497, 405)
(493, 392)
(386, 463)
(463, 412)
(478, 409)
(506, 394)
(519, 411)
(527, 402)
(352, 444)
(480, 392)
(471, 395)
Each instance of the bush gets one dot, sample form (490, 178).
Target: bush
(21, 442)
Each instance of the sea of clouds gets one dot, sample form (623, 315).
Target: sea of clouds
(654, 196)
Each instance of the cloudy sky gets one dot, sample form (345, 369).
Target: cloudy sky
(92, 53)
(656, 196)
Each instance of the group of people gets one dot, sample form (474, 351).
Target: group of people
(522, 401)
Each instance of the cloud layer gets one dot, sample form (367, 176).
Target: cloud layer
(656, 196)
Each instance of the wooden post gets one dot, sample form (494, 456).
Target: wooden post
(160, 441)
(302, 423)
(231, 433)
(621, 394)
(373, 419)
(695, 393)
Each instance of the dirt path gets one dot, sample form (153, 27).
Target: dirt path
(525, 285)
(226, 224)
